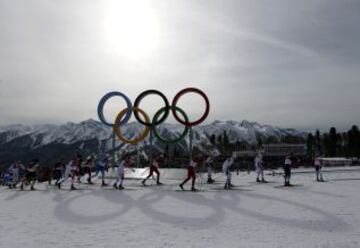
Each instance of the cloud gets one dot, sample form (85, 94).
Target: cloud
(289, 63)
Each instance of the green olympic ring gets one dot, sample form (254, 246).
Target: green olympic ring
(155, 120)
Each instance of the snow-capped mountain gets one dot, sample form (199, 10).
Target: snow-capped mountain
(249, 131)
(71, 133)
(94, 137)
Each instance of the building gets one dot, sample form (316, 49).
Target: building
(283, 149)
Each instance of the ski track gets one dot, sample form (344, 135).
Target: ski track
(319, 215)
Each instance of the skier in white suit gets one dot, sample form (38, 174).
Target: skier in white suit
(259, 166)
(227, 172)
(126, 162)
(70, 172)
(318, 167)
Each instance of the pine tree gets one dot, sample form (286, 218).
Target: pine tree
(310, 145)
(345, 140)
(326, 145)
(213, 139)
(354, 141)
(332, 142)
(339, 145)
(220, 140)
(318, 142)
(357, 140)
(166, 150)
(226, 139)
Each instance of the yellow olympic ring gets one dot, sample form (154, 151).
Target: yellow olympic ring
(117, 125)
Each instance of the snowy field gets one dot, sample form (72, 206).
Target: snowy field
(253, 215)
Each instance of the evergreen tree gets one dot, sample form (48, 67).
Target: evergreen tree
(345, 141)
(332, 142)
(310, 142)
(166, 150)
(356, 132)
(326, 145)
(318, 142)
(176, 152)
(213, 139)
(220, 140)
(226, 139)
(339, 145)
(354, 141)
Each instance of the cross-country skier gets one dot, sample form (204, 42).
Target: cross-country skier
(289, 160)
(87, 166)
(196, 160)
(57, 172)
(15, 172)
(71, 170)
(102, 165)
(126, 162)
(7, 179)
(154, 167)
(78, 162)
(259, 166)
(227, 172)
(30, 174)
(209, 164)
(318, 167)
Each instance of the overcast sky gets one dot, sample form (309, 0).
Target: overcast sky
(286, 63)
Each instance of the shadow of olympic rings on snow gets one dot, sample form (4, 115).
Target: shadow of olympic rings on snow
(64, 212)
(221, 201)
(328, 222)
(216, 216)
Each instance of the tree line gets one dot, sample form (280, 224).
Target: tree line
(223, 143)
(334, 143)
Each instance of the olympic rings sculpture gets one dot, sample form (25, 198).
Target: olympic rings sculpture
(160, 116)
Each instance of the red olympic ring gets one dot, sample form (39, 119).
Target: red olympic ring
(183, 92)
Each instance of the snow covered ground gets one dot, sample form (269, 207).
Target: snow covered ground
(253, 215)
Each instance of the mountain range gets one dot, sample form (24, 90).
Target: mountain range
(50, 142)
